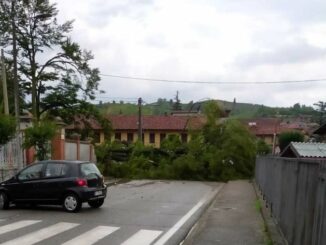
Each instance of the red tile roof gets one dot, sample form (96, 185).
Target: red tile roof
(130, 122)
(263, 126)
(80, 124)
(196, 123)
(269, 126)
(123, 122)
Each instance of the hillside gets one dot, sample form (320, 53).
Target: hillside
(238, 110)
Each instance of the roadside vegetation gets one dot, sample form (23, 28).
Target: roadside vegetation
(39, 137)
(52, 70)
(7, 128)
(221, 151)
(287, 137)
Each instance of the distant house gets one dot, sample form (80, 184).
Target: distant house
(80, 124)
(268, 129)
(305, 150)
(154, 128)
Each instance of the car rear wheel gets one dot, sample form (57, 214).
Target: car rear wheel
(4, 201)
(71, 203)
(96, 203)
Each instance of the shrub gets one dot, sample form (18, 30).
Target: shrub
(263, 148)
(219, 152)
(7, 128)
(39, 136)
(287, 137)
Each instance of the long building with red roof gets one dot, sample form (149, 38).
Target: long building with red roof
(154, 128)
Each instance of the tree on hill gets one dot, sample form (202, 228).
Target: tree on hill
(55, 80)
(177, 103)
(321, 108)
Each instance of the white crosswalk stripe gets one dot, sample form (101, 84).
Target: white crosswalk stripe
(92, 236)
(42, 234)
(17, 225)
(142, 237)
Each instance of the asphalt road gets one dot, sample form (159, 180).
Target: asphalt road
(137, 212)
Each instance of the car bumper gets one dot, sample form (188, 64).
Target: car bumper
(93, 194)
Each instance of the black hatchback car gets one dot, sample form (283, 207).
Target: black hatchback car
(67, 183)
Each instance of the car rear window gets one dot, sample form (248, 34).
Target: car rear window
(89, 169)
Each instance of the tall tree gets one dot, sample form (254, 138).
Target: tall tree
(10, 88)
(321, 108)
(177, 104)
(65, 65)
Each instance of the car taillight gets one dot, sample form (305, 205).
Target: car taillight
(81, 182)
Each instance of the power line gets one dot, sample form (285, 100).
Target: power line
(207, 82)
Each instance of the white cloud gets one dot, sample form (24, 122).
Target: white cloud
(205, 41)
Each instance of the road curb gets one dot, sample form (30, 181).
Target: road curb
(112, 182)
(275, 234)
(188, 240)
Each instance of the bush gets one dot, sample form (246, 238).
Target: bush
(38, 137)
(219, 152)
(287, 137)
(7, 128)
(263, 148)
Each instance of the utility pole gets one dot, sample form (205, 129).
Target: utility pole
(140, 130)
(14, 49)
(4, 84)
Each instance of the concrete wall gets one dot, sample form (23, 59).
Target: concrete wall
(295, 191)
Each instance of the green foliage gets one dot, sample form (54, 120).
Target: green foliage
(219, 152)
(177, 104)
(53, 83)
(321, 109)
(38, 137)
(125, 109)
(239, 110)
(286, 138)
(7, 128)
(263, 148)
(238, 148)
(171, 143)
(230, 154)
(212, 111)
(107, 152)
(294, 111)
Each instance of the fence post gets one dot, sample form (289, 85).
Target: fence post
(30, 153)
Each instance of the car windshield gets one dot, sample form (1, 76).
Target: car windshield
(88, 169)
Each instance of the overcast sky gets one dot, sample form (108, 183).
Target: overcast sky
(205, 40)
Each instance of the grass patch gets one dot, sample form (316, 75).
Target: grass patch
(258, 205)
(267, 236)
